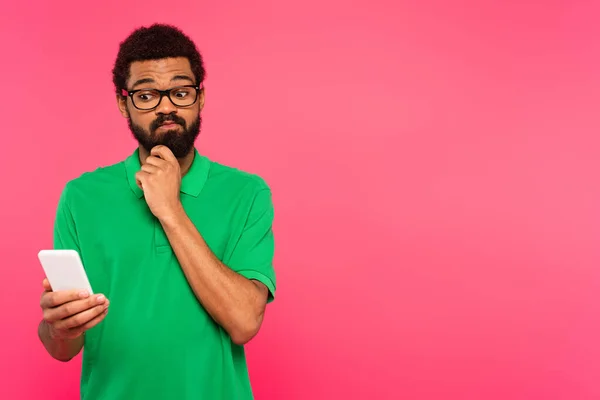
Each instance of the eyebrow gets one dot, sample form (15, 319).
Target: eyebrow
(182, 78)
(150, 80)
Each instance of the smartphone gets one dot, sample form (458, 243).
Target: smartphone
(64, 270)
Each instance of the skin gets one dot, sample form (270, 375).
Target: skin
(161, 74)
(236, 303)
(66, 317)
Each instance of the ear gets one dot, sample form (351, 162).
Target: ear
(122, 104)
(201, 98)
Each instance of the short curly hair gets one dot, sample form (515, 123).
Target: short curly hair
(154, 43)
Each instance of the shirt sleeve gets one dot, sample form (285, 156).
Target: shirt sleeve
(65, 233)
(253, 254)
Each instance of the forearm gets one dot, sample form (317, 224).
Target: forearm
(232, 300)
(60, 349)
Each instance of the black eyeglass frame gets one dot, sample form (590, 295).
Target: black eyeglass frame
(163, 93)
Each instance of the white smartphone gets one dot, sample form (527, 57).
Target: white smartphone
(64, 270)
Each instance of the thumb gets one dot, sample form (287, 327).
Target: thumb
(138, 179)
(46, 285)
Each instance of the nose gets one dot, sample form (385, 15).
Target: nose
(165, 106)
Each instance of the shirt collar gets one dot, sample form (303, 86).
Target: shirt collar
(191, 184)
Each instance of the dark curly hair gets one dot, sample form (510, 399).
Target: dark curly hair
(153, 43)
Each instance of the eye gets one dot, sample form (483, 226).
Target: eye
(145, 96)
(182, 93)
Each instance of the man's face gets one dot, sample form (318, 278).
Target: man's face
(175, 126)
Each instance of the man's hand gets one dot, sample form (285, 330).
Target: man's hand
(160, 179)
(69, 314)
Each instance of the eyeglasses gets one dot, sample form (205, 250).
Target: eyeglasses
(148, 99)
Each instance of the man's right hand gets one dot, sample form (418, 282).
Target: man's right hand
(70, 313)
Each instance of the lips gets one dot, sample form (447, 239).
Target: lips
(168, 125)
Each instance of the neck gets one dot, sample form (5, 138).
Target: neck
(185, 162)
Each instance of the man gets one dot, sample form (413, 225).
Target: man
(178, 249)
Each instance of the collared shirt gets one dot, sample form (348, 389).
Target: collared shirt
(157, 341)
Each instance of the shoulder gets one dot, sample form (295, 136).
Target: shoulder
(89, 183)
(246, 192)
(236, 180)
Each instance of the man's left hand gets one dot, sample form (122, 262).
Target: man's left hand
(160, 179)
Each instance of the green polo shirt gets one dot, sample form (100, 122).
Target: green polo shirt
(157, 341)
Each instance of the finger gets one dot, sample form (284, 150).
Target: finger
(46, 285)
(150, 168)
(164, 152)
(73, 308)
(52, 315)
(140, 178)
(81, 318)
(141, 175)
(90, 324)
(156, 161)
(55, 299)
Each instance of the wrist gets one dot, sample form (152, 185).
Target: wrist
(173, 216)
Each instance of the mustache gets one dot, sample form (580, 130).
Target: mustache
(162, 118)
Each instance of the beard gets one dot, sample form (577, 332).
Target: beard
(180, 143)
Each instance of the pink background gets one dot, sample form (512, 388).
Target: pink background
(434, 167)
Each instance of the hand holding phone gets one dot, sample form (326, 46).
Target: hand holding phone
(72, 308)
(70, 313)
